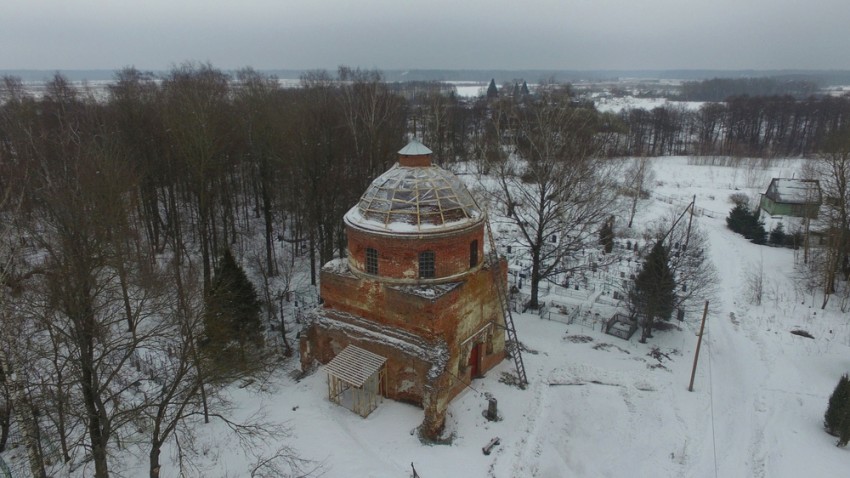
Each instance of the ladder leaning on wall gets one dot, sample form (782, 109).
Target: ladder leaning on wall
(512, 343)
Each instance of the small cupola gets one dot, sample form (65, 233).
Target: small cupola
(415, 154)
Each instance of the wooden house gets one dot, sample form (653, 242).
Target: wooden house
(792, 197)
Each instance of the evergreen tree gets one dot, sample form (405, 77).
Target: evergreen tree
(492, 90)
(746, 222)
(777, 235)
(653, 296)
(754, 230)
(836, 420)
(606, 236)
(738, 218)
(232, 314)
(524, 90)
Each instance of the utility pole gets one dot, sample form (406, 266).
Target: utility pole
(699, 343)
(690, 221)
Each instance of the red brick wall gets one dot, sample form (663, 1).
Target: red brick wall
(398, 256)
(405, 375)
(420, 160)
(373, 300)
(454, 316)
(474, 301)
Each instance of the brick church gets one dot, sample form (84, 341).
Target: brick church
(413, 313)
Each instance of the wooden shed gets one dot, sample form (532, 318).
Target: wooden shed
(792, 197)
(355, 379)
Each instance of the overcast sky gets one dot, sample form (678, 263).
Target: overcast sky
(402, 34)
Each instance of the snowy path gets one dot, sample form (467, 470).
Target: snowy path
(736, 366)
(759, 372)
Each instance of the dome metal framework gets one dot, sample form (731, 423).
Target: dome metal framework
(418, 196)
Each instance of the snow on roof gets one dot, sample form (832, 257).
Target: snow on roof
(338, 266)
(794, 191)
(415, 148)
(354, 365)
(415, 199)
(435, 353)
(430, 291)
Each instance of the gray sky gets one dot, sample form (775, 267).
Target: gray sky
(400, 34)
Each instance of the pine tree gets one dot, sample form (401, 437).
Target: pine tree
(524, 90)
(777, 235)
(654, 294)
(232, 313)
(492, 90)
(738, 218)
(836, 420)
(755, 231)
(746, 222)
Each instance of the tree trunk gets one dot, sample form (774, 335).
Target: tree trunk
(312, 257)
(535, 279)
(29, 430)
(97, 438)
(633, 209)
(155, 467)
(268, 219)
(5, 424)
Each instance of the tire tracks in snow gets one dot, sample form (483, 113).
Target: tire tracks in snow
(528, 446)
(738, 375)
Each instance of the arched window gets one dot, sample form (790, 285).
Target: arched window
(371, 261)
(473, 253)
(426, 264)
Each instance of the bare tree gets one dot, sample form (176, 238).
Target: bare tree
(173, 392)
(196, 117)
(552, 183)
(832, 169)
(638, 176)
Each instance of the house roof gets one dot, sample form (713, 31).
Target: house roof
(794, 191)
(354, 365)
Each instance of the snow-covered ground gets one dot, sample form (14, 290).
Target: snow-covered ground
(599, 406)
(469, 89)
(619, 103)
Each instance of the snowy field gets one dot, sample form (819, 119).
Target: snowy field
(600, 406)
(620, 103)
(469, 89)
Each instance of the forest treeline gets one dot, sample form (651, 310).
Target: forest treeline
(757, 126)
(119, 219)
(719, 89)
(205, 153)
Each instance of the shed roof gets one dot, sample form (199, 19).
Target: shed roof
(354, 365)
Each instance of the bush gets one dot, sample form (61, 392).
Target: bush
(836, 420)
(739, 199)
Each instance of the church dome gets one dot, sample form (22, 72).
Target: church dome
(415, 196)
